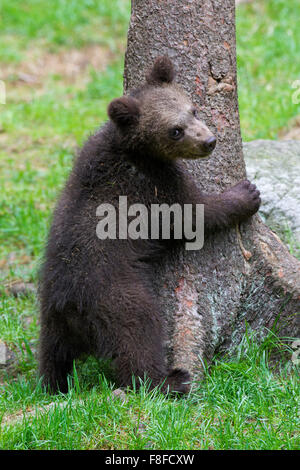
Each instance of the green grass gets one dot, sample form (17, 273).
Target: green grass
(25, 206)
(58, 23)
(268, 41)
(242, 402)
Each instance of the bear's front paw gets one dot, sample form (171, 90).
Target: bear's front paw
(247, 196)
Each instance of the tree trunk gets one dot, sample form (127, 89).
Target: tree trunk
(209, 296)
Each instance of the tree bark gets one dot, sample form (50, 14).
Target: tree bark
(209, 296)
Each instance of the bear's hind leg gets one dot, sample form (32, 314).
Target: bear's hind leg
(143, 357)
(56, 358)
(54, 368)
(139, 338)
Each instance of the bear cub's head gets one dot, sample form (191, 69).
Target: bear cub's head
(160, 120)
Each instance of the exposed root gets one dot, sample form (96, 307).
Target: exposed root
(247, 254)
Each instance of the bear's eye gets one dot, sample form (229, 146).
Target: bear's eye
(195, 113)
(176, 133)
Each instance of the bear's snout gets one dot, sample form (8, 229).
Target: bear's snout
(209, 144)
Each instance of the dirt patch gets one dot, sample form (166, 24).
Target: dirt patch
(292, 132)
(69, 66)
(30, 413)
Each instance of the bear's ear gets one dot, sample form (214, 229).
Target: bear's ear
(124, 111)
(162, 71)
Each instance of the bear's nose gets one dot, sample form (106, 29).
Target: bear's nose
(210, 144)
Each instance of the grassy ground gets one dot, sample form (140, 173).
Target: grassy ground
(267, 44)
(242, 402)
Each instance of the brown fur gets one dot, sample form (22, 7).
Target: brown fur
(97, 295)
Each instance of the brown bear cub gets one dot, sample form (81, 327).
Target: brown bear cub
(97, 295)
